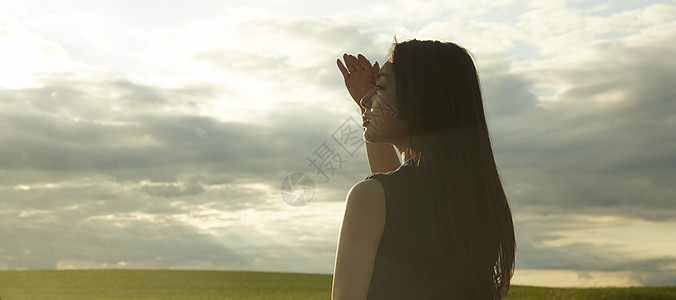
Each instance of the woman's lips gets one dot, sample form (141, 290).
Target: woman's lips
(365, 120)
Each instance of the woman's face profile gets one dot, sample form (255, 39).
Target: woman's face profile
(385, 124)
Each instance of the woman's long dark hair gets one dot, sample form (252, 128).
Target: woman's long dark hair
(438, 93)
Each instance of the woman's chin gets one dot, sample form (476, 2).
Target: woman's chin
(371, 139)
(367, 136)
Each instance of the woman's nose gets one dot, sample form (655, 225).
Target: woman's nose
(365, 102)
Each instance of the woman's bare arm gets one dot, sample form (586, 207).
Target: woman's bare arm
(382, 157)
(358, 241)
(360, 79)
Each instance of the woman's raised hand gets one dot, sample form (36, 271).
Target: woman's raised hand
(359, 75)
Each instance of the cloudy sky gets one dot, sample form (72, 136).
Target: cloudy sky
(140, 135)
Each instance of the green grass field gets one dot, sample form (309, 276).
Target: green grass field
(174, 284)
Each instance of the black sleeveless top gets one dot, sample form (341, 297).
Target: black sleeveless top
(410, 262)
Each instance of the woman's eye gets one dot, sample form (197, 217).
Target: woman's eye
(378, 87)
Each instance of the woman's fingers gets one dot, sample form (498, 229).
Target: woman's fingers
(356, 64)
(348, 62)
(353, 64)
(364, 62)
(342, 69)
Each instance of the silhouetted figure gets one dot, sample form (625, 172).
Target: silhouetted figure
(437, 225)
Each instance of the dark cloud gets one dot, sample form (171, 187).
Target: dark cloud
(139, 144)
(99, 241)
(505, 94)
(606, 144)
(170, 191)
(561, 242)
(94, 180)
(584, 257)
(605, 148)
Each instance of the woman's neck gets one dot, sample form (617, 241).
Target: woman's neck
(402, 148)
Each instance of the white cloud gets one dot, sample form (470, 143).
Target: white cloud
(26, 56)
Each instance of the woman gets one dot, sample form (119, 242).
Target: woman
(438, 225)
